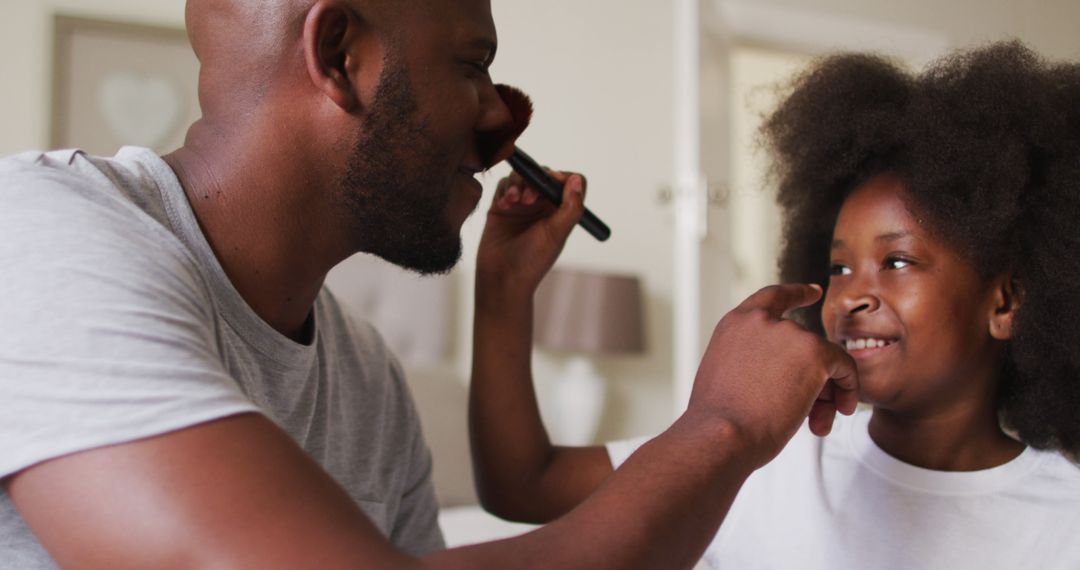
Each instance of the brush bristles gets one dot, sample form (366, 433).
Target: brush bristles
(497, 146)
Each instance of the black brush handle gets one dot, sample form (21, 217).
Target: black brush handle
(539, 179)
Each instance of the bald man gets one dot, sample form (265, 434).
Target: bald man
(177, 389)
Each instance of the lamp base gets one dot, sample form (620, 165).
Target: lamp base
(571, 404)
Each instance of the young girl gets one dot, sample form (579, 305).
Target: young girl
(940, 212)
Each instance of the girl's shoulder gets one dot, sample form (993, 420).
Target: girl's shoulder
(1056, 469)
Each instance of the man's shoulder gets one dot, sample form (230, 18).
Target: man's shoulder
(38, 159)
(68, 164)
(69, 189)
(71, 217)
(72, 179)
(62, 167)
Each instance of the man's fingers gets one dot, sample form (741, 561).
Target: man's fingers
(821, 418)
(840, 391)
(843, 383)
(841, 368)
(847, 401)
(779, 299)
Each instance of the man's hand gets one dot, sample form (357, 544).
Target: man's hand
(525, 234)
(761, 373)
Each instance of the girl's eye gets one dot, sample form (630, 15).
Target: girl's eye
(838, 269)
(896, 263)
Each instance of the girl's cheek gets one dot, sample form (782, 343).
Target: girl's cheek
(827, 316)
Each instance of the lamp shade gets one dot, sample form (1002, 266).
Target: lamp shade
(581, 311)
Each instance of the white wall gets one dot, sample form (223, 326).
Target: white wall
(599, 73)
(1048, 26)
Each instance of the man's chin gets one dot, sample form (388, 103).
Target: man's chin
(431, 259)
(434, 270)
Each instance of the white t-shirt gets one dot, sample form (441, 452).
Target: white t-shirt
(841, 502)
(118, 323)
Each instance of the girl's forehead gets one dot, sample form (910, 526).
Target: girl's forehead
(881, 204)
(879, 215)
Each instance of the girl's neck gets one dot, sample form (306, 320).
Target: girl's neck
(957, 440)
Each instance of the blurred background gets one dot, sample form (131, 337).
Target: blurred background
(656, 101)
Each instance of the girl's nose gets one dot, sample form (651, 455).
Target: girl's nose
(862, 302)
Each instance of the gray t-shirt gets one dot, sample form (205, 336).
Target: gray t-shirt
(117, 323)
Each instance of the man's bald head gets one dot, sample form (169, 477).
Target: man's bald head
(242, 45)
(260, 24)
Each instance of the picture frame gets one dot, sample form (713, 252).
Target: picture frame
(117, 84)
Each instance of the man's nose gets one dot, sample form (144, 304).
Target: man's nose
(495, 114)
(505, 113)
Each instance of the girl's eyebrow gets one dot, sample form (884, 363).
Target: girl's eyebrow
(888, 237)
(892, 236)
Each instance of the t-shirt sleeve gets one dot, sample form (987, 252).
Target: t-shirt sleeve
(416, 529)
(620, 451)
(106, 326)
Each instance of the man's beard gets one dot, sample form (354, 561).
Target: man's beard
(396, 188)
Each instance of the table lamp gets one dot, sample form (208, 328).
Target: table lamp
(584, 314)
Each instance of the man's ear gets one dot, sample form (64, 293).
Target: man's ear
(1007, 297)
(329, 41)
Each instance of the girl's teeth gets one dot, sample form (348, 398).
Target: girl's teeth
(864, 343)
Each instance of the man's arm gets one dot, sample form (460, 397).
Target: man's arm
(233, 493)
(238, 492)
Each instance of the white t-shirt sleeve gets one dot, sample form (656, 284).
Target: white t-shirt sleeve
(106, 329)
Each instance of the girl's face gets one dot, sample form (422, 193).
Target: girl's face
(909, 309)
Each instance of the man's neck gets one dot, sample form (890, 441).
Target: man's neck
(261, 224)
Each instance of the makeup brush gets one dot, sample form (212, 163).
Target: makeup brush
(498, 145)
(552, 189)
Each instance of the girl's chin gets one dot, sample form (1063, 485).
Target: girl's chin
(877, 395)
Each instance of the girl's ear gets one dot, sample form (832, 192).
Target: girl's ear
(1007, 297)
